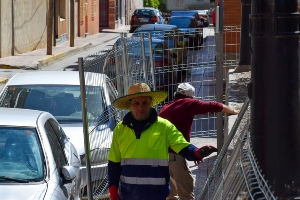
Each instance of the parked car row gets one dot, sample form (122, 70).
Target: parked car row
(50, 145)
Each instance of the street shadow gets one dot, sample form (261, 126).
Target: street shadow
(201, 173)
(71, 68)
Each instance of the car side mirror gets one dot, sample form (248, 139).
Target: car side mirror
(69, 172)
(181, 44)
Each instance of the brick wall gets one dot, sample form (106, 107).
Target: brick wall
(232, 20)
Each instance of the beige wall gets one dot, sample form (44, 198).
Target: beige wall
(5, 28)
(29, 26)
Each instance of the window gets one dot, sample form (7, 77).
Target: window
(55, 143)
(21, 157)
(62, 101)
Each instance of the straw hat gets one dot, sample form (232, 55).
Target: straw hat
(139, 90)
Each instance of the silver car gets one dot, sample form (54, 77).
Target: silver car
(58, 92)
(37, 160)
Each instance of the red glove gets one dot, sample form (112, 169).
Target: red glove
(113, 193)
(205, 151)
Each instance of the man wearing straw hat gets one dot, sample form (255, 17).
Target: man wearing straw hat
(181, 113)
(138, 166)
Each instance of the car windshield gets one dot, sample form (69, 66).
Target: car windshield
(185, 13)
(157, 47)
(21, 158)
(144, 12)
(181, 22)
(62, 101)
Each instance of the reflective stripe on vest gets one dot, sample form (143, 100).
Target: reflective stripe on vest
(144, 161)
(143, 181)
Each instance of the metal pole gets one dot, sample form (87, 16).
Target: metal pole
(85, 129)
(72, 23)
(54, 23)
(144, 57)
(118, 71)
(152, 69)
(245, 47)
(49, 28)
(219, 72)
(275, 94)
(125, 63)
(12, 29)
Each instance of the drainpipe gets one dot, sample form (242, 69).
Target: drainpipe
(12, 29)
(245, 54)
(54, 23)
(275, 127)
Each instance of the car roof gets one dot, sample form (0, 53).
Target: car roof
(19, 117)
(146, 8)
(189, 17)
(55, 78)
(184, 11)
(156, 27)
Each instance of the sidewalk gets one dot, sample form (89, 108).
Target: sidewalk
(35, 60)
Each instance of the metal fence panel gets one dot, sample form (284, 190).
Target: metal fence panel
(163, 62)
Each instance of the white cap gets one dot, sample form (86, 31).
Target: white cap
(186, 89)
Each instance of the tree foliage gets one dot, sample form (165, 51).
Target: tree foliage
(151, 3)
(160, 4)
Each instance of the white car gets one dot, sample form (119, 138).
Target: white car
(37, 160)
(58, 92)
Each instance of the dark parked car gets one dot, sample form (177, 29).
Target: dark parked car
(156, 27)
(188, 26)
(144, 16)
(165, 76)
(175, 41)
(192, 13)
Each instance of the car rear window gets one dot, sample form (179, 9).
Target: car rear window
(144, 12)
(182, 22)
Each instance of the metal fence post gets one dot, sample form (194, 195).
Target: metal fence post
(118, 71)
(152, 69)
(219, 87)
(125, 63)
(144, 57)
(85, 129)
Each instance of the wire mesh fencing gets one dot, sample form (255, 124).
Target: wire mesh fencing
(235, 174)
(162, 60)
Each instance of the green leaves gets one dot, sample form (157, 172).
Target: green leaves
(151, 3)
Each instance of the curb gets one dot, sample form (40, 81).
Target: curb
(60, 56)
(36, 65)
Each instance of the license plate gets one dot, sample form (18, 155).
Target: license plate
(143, 20)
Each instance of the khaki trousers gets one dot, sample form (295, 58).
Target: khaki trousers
(181, 180)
